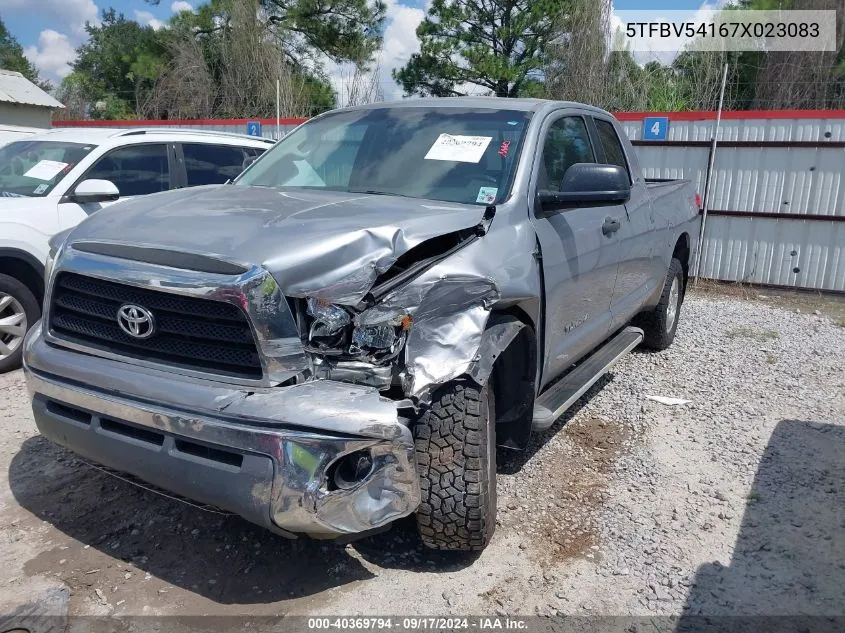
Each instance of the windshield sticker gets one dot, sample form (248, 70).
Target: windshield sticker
(46, 170)
(460, 149)
(41, 188)
(503, 149)
(487, 195)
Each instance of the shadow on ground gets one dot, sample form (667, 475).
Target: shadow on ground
(789, 557)
(222, 558)
(510, 462)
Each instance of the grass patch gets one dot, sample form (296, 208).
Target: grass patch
(744, 331)
(839, 322)
(771, 359)
(753, 497)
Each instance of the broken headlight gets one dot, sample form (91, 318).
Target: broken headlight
(334, 331)
(328, 330)
(386, 338)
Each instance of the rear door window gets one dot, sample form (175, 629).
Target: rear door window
(136, 170)
(207, 164)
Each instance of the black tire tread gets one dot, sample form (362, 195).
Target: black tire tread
(653, 323)
(453, 460)
(19, 290)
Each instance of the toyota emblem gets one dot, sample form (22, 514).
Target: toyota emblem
(136, 321)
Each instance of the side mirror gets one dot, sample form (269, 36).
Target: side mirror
(94, 190)
(588, 185)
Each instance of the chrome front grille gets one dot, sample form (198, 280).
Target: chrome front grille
(190, 332)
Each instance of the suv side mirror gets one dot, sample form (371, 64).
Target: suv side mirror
(588, 185)
(94, 190)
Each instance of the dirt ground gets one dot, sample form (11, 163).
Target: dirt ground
(625, 507)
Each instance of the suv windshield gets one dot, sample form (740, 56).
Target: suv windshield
(450, 154)
(32, 168)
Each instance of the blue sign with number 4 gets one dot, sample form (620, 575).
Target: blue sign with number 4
(253, 128)
(656, 128)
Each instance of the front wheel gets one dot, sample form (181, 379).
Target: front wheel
(19, 311)
(455, 441)
(660, 324)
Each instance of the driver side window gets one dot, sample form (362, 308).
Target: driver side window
(567, 143)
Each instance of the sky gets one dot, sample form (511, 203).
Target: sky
(50, 30)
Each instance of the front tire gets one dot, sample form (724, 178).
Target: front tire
(660, 324)
(455, 442)
(19, 311)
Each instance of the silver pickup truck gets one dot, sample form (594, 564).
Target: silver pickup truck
(343, 335)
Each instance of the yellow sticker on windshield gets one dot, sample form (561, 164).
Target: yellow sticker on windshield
(460, 149)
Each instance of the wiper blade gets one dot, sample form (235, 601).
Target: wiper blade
(374, 192)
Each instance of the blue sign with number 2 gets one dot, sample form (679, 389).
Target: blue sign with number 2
(656, 128)
(253, 128)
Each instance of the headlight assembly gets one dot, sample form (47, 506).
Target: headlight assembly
(329, 325)
(334, 331)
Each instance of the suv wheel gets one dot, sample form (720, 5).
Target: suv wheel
(18, 312)
(456, 458)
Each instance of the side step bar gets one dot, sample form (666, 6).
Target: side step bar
(551, 404)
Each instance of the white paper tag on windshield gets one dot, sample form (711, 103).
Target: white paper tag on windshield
(461, 149)
(46, 170)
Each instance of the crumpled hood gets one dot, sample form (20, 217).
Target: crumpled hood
(318, 243)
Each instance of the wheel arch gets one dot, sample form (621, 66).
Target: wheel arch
(25, 268)
(507, 359)
(682, 252)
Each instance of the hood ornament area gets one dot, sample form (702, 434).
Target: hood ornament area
(136, 321)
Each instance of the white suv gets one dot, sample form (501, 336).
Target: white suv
(52, 181)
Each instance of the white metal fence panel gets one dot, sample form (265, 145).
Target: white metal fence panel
(779, 180)
(799, 253)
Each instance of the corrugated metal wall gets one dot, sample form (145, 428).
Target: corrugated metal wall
(777, 201)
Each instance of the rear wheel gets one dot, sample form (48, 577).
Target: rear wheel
(455, 442)
(660, 324)
(18, 312)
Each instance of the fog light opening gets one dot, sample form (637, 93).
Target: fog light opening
(350, 470)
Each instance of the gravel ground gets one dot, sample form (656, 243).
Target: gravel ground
(732, 503)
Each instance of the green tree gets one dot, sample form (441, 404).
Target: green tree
(118, 65)
(343, 30)
(497, 45)
(12, 58)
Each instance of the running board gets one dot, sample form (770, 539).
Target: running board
(551, 404)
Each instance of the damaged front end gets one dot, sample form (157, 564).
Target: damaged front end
(320, 443)
(419, 324)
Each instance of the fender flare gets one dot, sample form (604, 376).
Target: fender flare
(16, 253)
(501, 330)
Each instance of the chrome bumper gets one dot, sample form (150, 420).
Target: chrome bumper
(263, 453)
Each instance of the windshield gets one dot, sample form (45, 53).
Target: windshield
(449, 154)
(30, 169)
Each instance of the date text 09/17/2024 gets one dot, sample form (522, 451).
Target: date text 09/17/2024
(418, 623)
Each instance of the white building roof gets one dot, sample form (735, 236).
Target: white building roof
(15, 88)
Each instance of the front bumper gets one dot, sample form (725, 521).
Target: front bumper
(264, 454)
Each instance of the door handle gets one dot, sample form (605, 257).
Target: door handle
(610, 226)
